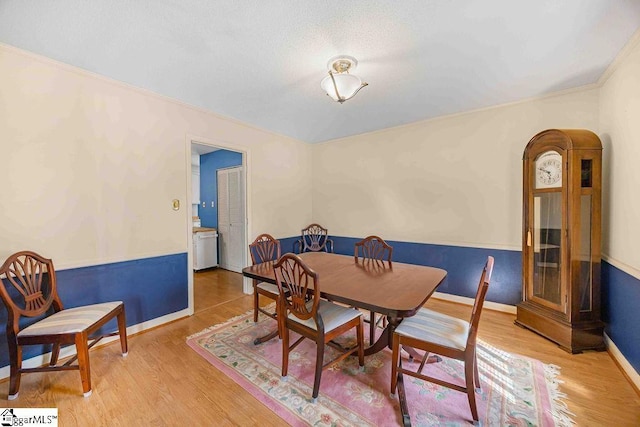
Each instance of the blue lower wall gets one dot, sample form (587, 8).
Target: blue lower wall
(154, 287)
(464, 266)
(620, 291)
(150, 288)
(620, 300)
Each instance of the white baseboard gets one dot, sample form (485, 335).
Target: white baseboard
(511, 309)
(44, 359)
(624, 364)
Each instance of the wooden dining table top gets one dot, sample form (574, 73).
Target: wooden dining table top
(396, 290)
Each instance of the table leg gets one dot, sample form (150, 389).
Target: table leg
(265, 338)
(414, 355)
(384, 340)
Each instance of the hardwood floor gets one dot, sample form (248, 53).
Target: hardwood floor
(164, 382)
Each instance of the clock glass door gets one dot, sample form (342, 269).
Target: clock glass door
(585, 253)
(546, 258)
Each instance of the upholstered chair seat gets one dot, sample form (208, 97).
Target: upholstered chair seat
(437, 328)
(333, 315)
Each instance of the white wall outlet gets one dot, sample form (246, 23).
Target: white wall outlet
(212, 203)
(204, 204)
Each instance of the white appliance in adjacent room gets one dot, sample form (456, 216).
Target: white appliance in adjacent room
(205, 248)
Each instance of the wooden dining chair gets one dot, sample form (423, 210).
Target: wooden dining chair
(29, 290)
(303, 311)
(443, 335)
(373, 249)
(313, 238)
(264, 248)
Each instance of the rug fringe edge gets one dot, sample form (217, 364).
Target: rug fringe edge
(560, 411)
(220, 325)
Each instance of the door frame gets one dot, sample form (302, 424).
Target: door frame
(247, 285)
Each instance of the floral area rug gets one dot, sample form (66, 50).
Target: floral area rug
(516, 391)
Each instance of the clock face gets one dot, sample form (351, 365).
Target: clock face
(549, 170)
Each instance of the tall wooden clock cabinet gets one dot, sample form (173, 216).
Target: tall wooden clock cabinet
(561, 234)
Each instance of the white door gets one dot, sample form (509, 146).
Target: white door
(231, 218)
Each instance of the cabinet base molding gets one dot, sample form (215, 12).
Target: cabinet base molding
(573, 338)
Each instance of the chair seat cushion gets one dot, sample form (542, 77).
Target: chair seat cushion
(70, 320)
(269, 287)
(333, 315)
(431, 326)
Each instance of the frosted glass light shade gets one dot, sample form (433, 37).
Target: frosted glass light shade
(347, 84)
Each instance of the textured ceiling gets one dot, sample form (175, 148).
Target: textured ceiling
(261, 62)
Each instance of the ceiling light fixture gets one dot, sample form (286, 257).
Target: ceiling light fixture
(339, 84)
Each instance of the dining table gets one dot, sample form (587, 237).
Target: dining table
(393, 289)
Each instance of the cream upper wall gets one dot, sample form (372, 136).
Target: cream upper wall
(90, 166)
(455, 180)
(620, 133)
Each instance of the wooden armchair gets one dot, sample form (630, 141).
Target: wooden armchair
(444, 335)
(28, 289)
(264, 248)
(373, 249)
(302, 310)
(314, 238)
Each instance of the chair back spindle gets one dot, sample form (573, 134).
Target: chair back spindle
(33, 286)
(314, 238)
(374, 248)
(264, 248)
(297, 284)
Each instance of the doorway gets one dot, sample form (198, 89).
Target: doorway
(209, 163)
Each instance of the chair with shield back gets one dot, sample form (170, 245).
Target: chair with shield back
(29, 291)
(442, 335)
(263, 249)
(301, 310)
(375, 250)
(313, 238)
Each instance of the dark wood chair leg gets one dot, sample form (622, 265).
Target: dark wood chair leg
(279, 330)
(402, 397)
(256, 301)
(122, 331)
(15, 361)
(285, 352)
(471, 392)
(475, 368)
(360, 332)
(84, 367)
(319, 360)
(55, 353)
